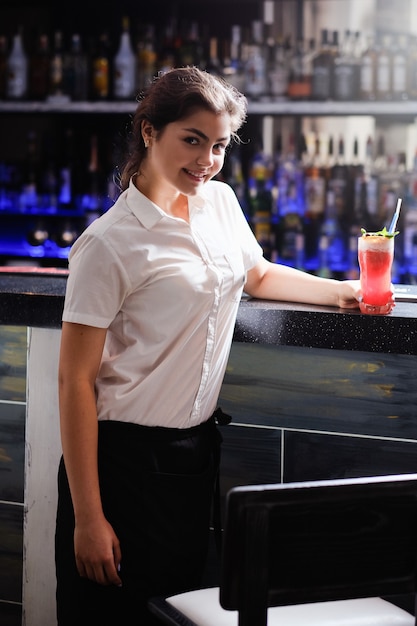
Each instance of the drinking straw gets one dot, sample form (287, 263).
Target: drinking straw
(395, 217)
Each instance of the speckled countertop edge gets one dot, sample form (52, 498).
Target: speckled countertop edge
(37, 298)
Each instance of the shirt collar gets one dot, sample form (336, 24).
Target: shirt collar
(149, 213)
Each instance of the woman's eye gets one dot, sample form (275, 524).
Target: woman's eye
(192, 140)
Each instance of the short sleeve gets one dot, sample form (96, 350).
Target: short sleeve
(97, 283)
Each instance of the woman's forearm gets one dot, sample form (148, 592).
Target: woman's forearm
(79, 432)
(273, 281)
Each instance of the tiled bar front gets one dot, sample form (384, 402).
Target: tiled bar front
(12, 454)
(28, 303)
(333, 393)
(319, 413)
(313, 393)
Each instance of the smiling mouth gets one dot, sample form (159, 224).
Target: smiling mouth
(196, 175)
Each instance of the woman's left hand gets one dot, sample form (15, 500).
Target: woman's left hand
(349, 294)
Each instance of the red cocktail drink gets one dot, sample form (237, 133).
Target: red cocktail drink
(375, 253)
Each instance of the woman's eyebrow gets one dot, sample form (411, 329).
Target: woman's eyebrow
(203, 136)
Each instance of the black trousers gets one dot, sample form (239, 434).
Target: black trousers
(156, 486)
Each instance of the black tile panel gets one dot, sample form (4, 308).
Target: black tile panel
(12, 452)
(318, 456)
(338, 391)
(249, 456)
(10, 614)
(13, 351)
(11, 553)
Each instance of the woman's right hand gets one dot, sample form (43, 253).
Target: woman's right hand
(97, 552)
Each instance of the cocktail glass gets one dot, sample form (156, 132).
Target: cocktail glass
(375, 254)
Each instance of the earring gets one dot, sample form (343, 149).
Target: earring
(146, 142)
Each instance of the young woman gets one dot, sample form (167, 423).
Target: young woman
(152, 296)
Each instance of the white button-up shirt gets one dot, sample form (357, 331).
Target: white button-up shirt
(168, 293)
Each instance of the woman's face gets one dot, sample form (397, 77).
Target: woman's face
(189, 152)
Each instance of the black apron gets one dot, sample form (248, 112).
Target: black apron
(157, 488)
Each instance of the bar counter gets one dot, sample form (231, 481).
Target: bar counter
(314, 392)
(34, 297)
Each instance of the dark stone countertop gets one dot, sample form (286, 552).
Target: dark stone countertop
(35, 297)
(32, 297)
(283, 323)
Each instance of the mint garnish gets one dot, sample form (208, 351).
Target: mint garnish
(380, 233)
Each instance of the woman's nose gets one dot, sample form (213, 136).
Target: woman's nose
(205, 157)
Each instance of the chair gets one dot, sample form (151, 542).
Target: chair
(319, 553)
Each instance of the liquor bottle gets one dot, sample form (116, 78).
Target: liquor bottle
(77, 70)
(371, 178)
(124, 66)
(330, 157)
(65, 173)
(357, 52)
(225, 62)
(355, 171)
(232, 173)
(391, 186)
(146, 58)
(345, 71)
(213, 62)
(290, 206)
(92, 200)
(401, 191)
(390, 173)
(30, 174)
(357, 217)
(278, 70)
(410, 245)
(3, 66)
(10, 184)
(276, 57)
(410, 225)
(399, 73)
(233, 71)
(101, 70)
(322, 69)
(335, 53)
(190, 52)
(260, 184)
(57, 82)
(338, 209)
(255, 64)
(412, 68)
(315, 198)
(40, 69)
(338, 182)
(168, 54)
(48, 188)
(367, 72)
(384, 69)
(300, 71)
(17, 70)
(334, 253)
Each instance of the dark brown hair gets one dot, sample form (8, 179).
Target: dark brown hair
(171, 96)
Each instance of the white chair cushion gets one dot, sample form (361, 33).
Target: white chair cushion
(203, 608)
